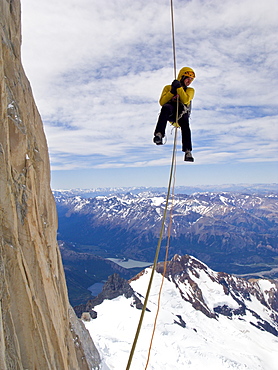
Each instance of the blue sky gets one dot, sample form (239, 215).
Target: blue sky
(97, 70)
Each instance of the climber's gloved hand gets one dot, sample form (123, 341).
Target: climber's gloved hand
(175, 85)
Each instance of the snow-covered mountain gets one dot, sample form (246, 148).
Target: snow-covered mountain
(239, 188)
(225, 230)
(206, 320)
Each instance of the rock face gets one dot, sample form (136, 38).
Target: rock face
(38, 329)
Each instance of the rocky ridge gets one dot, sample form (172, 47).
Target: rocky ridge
(114, 287)
(203, 319)
(186, 273)
(233, 297)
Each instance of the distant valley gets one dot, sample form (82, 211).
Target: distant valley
(234, 232)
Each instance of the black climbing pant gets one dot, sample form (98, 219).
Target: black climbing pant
(168, 113)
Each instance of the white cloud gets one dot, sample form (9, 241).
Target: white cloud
(97, 70)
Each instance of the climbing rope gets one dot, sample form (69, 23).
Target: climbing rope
(165, 261)
(171, 177)
(173, 38)
(173, 164)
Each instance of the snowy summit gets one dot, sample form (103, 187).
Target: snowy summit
(206, 320)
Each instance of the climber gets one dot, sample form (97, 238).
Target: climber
(168, 100)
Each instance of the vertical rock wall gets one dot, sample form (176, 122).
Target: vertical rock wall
(38, 329)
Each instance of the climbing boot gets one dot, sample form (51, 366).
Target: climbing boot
(188, 156)
(158, 138)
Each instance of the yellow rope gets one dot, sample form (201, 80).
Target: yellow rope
(172, 171)
(155, 258)
(165, 261)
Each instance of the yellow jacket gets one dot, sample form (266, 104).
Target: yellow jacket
(185, 97)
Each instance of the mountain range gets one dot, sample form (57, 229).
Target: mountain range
(205, 319)
(230, 231)
(239, 188)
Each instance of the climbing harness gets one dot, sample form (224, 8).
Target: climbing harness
(185, 109)
(170, 185)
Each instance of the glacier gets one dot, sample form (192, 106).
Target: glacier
(206, 320)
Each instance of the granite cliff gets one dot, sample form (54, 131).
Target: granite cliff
(38, 329)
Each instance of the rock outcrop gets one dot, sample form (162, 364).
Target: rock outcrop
(38, 329)
(114, 287)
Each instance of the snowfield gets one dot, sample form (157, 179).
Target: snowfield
(204, 343)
